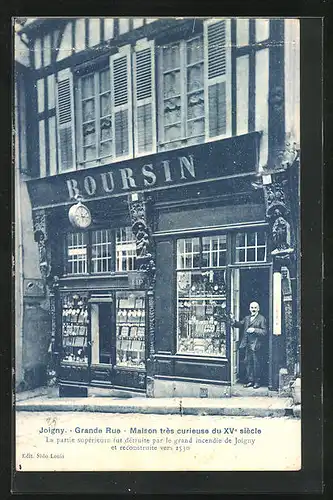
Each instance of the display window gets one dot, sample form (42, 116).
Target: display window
(75, 329)
(130, 328)
(117, 334)
(201, 296)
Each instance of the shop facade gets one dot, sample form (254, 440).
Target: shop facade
(148, 238)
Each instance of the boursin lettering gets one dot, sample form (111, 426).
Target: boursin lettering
(119, 180)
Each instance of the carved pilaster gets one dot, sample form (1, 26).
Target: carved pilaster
(141, 227)
(278, 214)
(291, 341)
(41, 237)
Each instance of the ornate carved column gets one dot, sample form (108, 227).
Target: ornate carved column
(142, 230)
(41, 235)
(144, 276)
(291, 340)
(281, 242)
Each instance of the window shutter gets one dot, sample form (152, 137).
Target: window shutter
(217, 78)
(144, 98)
(65, 121)
(121, 85)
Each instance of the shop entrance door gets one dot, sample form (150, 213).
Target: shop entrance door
(118, 338)
(249, 285)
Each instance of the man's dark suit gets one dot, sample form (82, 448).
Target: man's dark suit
(252, 343)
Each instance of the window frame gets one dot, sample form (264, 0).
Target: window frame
(184, 138)
(246, 247)
(88, 235)
(95, 72)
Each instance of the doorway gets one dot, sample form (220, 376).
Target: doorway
(249, 285)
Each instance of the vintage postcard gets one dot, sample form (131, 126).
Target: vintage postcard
(157, 244)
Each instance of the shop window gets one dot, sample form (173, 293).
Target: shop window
(77, 253)
(125, 249)
(201, 296)
(100, 251)
(75, 329)
(130, 328)
(251, 247)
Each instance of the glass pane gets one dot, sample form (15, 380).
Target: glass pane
(89, 130)
(196, 246)
(205, 259)
(188, 245)
(172, 111)
(104, 81)
(89, 153)
(172, 84)
(196, 260)
(105, 104)
(195, 105)
(251, 255)
(206, 244)
(88, 110)
(172, 133)
(106, 148)
(240, 240)
(194, 50)
(222, 258)
(251, 239)
(195, 78)
(88, 86)
(196, 127)
(240, 255)
(171, 57)
(261, 254)
(105, 131)
(130, 328)
(261, 238)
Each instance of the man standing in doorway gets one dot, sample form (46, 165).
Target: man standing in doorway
(253, 334)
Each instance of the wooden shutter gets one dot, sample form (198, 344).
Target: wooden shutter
(65, 121)
(121, 86)
(217, 55)
(144, 98)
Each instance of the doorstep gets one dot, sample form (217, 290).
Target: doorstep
(233, 406)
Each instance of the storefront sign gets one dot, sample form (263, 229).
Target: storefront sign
(216, 160)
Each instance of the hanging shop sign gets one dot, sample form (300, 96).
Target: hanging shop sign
(227, 158)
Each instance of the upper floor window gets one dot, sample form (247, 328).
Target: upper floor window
(95, 116)
(100, 251)
(112, 114)
(182, 110)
